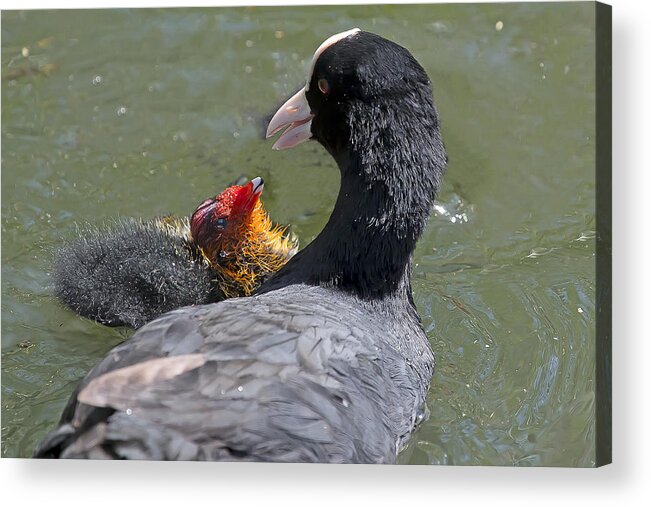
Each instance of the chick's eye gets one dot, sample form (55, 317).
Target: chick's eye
(221, 223)
(323, 85)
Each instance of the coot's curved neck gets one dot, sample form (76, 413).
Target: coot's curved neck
(390, 172)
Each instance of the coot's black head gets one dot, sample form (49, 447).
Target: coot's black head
(355, 79)
(369, 103)
(363, 69)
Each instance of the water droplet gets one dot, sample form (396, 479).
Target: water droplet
(129, 411)
(97, 80)
(240, 388)
(122, 110)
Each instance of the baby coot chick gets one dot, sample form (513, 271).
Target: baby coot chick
(138, 270)
(327, 361)
(238, 240)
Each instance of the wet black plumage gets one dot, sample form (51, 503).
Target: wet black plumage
(328, 362)
(132, 272)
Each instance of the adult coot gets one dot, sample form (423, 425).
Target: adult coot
(137, 270)
(328, 362)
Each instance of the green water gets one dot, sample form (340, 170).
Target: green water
(146, 112)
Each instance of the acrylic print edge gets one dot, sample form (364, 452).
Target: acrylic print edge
(603, 335)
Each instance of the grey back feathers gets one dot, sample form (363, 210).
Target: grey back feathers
(276, 377)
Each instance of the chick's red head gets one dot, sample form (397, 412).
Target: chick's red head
(221, 219)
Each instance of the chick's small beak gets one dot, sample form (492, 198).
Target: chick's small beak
(248, 196)
(258, 185)
(295, 114)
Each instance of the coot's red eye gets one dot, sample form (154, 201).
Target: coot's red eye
(324, 87)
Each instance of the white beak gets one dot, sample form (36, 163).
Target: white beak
(295, 114)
